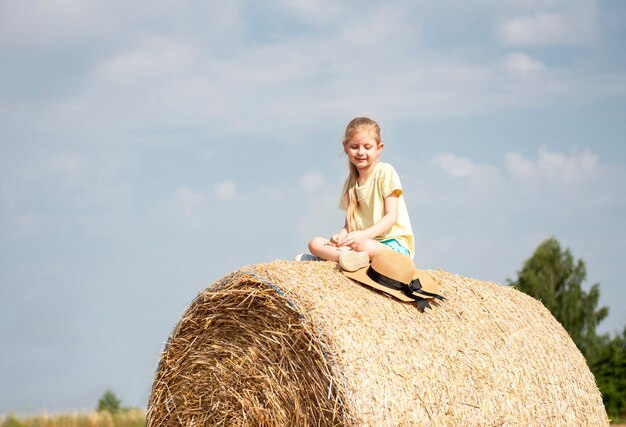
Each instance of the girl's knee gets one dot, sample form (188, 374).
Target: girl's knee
(316, 243)
(372, 247)
(365, 246)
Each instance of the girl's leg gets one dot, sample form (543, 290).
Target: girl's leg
(321, 247)
(361, 256)
(372, 247)
(351, 260)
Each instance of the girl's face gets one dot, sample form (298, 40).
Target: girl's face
(363, 150)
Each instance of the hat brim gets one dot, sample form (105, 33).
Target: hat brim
(428, 284)
(362, 277)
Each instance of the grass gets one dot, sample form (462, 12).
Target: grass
(618, 421)
(124, 418)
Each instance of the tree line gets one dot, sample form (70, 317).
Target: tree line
(554, 277)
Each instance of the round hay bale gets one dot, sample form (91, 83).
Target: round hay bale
(298, 343)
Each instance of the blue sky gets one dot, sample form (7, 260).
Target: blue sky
(146, 151)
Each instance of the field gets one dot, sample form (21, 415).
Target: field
(125, 418)
(130, 418)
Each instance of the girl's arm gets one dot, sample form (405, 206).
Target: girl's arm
(389, 219)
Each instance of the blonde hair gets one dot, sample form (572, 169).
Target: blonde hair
(356, 125)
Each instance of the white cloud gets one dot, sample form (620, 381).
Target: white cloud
(226, 190)
(381, 26)
(312, 181)
(575, 167)
(551, 166)
(174, 79)
(56, 22)
(84, 179)
(551, 24)
(154, 58)
(48, 21)
(169, 78)
(522, 65)
(460, 167)
(534, 30)
(481, 177)
(577, 179)
(520, 167)
(454, 165)
(315, 12)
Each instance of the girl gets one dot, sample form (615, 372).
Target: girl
(376, 215)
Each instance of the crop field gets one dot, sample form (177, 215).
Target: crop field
(125, 418)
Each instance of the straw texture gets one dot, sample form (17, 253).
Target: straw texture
(298, 343)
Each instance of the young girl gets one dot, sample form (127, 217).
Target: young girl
(376, 215)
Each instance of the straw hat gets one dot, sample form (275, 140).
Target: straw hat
(395, 274)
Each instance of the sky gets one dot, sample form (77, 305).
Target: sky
(147, 150)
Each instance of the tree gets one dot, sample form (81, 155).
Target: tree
(109, 402)
(552, 276)
(610, 372)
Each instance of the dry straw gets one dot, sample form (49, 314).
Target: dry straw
(298, 343)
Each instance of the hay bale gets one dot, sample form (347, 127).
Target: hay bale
(297, 343)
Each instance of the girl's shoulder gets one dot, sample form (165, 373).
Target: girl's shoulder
(383, 168)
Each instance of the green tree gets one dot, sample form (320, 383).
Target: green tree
(552, 276)
(109, 402)
(610, 372)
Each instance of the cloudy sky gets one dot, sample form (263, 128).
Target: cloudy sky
(148, 149)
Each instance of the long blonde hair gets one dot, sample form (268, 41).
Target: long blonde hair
(356, 125)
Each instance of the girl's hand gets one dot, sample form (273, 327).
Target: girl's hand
(335, 240)
(354, 238)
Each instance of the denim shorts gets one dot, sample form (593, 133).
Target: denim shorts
(396, 246)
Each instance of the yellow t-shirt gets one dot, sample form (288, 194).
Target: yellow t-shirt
(370, 208)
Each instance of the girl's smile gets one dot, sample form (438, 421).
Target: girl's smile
(363, 151)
